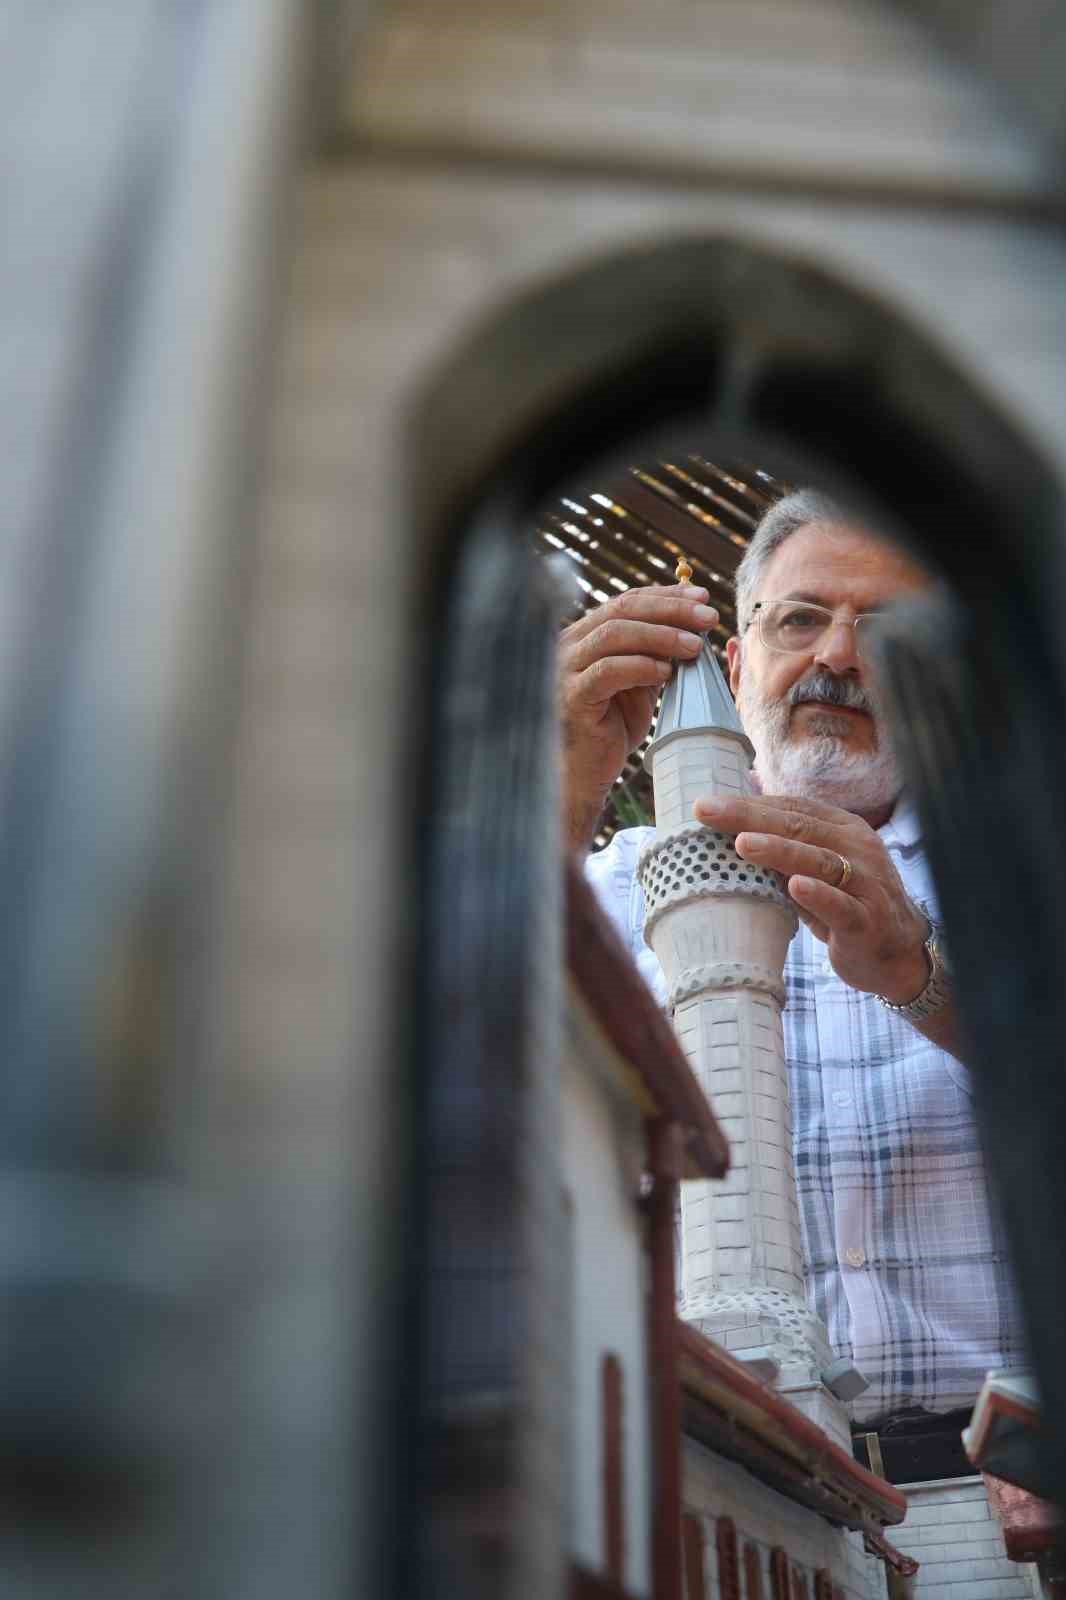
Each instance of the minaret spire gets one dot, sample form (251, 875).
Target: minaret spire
(721, 929)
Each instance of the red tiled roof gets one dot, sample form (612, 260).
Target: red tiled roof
(992, 1410)
(627, 1013)
(1031, 1527)
(878, 1545)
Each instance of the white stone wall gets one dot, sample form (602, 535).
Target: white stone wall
(715, 1487)
(400, 259)
(487, 147)
(952, 1532)
(603, 1145)
(686, 769)
(846, 87)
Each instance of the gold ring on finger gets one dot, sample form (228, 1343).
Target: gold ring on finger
(845, 871)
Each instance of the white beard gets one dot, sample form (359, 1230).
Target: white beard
(821, 765)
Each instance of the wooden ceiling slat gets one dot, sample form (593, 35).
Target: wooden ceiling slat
(714, 548)
(596, 558)
(735, 516)
(733, 529)
(611, 556)
(603, 573)
(747, 483)
(659, 551)
(720, 588)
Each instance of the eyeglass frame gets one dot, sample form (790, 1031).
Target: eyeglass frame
(812, 605)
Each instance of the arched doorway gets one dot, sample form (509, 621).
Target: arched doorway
(779, 360)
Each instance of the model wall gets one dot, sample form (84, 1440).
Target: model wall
(952, 1533)
(603, 1151)
(766, 1520)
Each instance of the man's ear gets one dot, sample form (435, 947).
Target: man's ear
(732, 655)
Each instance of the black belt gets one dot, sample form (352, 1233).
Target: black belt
(914, 1446)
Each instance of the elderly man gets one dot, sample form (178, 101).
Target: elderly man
(885, 1144)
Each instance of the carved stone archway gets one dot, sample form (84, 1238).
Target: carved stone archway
(780, 360)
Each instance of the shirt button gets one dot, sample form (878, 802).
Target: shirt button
(854, 1256)
(841, 1097)
(827, 968)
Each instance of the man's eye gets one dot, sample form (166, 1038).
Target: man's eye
(799, 618)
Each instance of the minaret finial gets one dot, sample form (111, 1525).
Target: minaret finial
(683, 572)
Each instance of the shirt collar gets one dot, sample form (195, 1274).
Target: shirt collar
(902, 829)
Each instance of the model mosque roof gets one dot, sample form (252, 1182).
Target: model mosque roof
(696, 700)
(738, 1415)
(1031, 1527)
(1003, 1437)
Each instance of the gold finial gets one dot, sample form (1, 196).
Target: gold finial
(682, 572)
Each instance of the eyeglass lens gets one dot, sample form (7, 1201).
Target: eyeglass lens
(789, 626)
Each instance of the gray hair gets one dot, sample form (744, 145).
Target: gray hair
(784, 518)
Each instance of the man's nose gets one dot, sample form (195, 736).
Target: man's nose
(837, 649)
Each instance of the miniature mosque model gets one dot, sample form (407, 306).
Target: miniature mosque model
(710, 1455)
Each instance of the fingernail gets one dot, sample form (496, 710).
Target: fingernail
(694, 592)
(690, 641)
(665, 668)
(750, 843)
(706, 614)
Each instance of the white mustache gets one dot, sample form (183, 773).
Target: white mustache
(825, 689)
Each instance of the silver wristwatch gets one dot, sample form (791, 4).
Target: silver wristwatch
(937, 992)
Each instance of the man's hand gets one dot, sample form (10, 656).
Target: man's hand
(873, 931)
(612, 664)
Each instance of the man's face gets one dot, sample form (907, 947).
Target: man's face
(804, 743)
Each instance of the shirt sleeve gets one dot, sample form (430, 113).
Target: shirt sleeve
(612, 872)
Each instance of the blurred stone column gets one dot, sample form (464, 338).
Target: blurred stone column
(178, 1392)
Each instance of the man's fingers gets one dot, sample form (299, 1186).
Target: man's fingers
(818, 928)
(790, 856)
(680, 605)
(821, 809)
(637, 707)
(604, 679)
(771, 817)
(616, 636)
(839, 912)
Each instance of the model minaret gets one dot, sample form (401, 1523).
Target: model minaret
(721, 929)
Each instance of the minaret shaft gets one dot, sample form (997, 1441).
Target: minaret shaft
(744, 1230)
(721, 929)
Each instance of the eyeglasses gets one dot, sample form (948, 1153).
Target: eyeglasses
(794, 627)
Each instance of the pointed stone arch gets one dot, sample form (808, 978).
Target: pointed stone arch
(784, 361)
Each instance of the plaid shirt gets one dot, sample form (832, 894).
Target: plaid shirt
(904, 1262)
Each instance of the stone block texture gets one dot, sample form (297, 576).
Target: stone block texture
(743, 1229)
(764, 1522)
(686, 769)
(488, 147)
(840, 89)
(951, 1531)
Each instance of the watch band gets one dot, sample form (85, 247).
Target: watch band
(937, 992)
